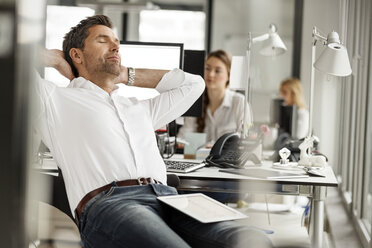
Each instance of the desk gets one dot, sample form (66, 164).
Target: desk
(209, 179)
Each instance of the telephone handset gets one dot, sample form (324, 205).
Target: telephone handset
(230, 151)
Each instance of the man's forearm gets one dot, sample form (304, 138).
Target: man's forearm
(56, 59)
(148, 78)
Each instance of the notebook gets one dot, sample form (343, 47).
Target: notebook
(264, 173)
(202, 207)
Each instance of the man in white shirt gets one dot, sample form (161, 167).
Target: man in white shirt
(105, 146)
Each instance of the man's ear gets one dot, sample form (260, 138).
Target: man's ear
(76, 55)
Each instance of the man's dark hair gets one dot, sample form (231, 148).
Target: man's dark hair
(77, 35)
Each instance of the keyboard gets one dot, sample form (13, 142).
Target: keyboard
(182, 166)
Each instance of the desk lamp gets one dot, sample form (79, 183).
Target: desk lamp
(334, 60)
(272, 46)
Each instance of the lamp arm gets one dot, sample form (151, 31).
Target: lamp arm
(318, 36)
(260, 38)
(247, 91)
(247, 86)
(312, 88)
(307, 144)
(272, 29)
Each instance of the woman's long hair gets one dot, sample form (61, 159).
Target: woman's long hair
(294, 86)
(226, 59)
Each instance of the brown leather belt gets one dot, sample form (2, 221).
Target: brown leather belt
(93, 193)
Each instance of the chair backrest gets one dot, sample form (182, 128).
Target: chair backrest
(173, 180)
(59, 196)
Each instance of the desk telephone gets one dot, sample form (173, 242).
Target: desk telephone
(230, 151)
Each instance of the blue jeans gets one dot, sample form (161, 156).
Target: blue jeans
(131, 216)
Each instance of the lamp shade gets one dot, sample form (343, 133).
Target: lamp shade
(273, 46)
(334, 60)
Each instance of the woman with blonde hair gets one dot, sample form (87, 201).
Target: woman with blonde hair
(291, 92)
(223, 109)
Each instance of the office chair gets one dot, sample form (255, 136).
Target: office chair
(59, 198)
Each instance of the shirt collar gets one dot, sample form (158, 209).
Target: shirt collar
(83, 83)
(227, 100)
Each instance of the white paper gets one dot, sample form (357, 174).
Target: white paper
(202, 207)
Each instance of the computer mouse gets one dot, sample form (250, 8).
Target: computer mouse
(317, 173)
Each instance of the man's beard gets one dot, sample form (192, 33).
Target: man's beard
(103, 67)
(109, 68)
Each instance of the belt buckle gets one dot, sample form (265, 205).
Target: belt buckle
(140, 182)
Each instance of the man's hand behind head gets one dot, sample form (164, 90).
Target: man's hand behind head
(56, 59)
(123, 77)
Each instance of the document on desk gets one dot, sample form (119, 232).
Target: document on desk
(202, 207)
(264, 173)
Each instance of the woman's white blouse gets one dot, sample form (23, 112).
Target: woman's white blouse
(227, 118)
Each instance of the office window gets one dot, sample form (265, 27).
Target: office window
(57, 25)
(367, 186)
(367, 198)
(186, 27)
(349, 104)
(357, 139)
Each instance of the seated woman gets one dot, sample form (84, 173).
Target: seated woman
(223, 109)
(291, 92)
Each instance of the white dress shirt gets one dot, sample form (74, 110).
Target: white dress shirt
(228, 117)
(97, 138)
(302, 122)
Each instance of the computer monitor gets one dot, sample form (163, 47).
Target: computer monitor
(151, 55)
(285, 116)
(167, 56)
(194, 63)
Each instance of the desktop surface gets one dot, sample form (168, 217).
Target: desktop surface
(211, 173)
(214, 173)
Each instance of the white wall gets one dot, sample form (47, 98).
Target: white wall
(324, 14)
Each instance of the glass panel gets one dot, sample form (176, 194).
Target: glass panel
(367, 186)
(367, 196)
(352, 89)
(186, 27)
(230, 31)
(346, 133)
